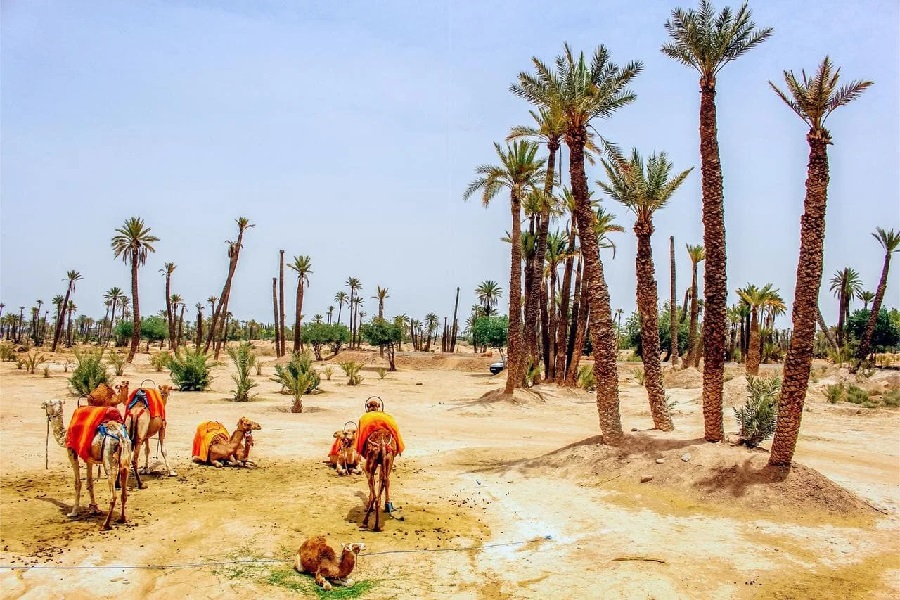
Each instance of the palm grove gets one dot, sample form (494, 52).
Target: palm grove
(558, 299)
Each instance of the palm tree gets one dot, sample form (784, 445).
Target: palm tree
(62, 305)
(583, 92)
(519, 171)
(890, 241)
(280, 324)
(758, 299)
(132, 243)
(697, 255)
(673, 307)
(707, 42)
(813, 100)
(846, 285)
(644, 191)
(199, 339)
(341, 298)
(113, 295)
(177, 324)
(431, 324)
(354, 284)
(489, 293)
(380, 295)
(167, 270)
(303, 267)
(866, 297)
(70, 309)
(234, 251)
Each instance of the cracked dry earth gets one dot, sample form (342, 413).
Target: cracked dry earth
(497, 498)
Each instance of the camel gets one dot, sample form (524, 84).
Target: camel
(343, 456)
(142, 423)
(233, 450)
(110, 447)
(318, 559)
(380, 450)
(103, 395)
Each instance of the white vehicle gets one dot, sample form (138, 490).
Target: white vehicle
(498, 366)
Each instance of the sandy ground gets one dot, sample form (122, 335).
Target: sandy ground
(496, 498)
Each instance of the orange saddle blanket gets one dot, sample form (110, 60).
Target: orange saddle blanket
(335, 448)
(84, 424)
(154, 403)
(371, 421)
(207, 432)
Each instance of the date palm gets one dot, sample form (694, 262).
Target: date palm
(341, 298)
(279, 324)
(866, 297)
(381, 294)
(167, 270)
(303, 267)
(489, 293)
(177, 302)
(132, 243)
(583, 91)
(890, 241)
(846, 285)
(644, 189)
(519, 172)
(113, 296)
(62, 306)
(353, 305)
(697, 255)
(199, 338)
(758, 299)
(706, 42)
(218, 316)
(813, 99)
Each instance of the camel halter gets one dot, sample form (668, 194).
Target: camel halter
(380, 402)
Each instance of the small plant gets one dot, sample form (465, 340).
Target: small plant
(289, 375)
(298, 384)
(259, 367)
(161, 360)
(834, 393)
(66, 364)
(117, 360)
(670, 404)
(32, 360)
(7, 352)
(532, 372)
(381, 372)
(891, 398)
(20, 362)
(351, 370)
(758, 415)
(328, 372)
(46, 371)
(857, 395)
(190, 371)
(89, 372)
(586, 379)
(244, 359)
(639, 375)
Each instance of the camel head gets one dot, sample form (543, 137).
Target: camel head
(101, 394)
(53, 408)
(164, 391)
(355, 547)
(122, 393)
(245, 424)
(374, 403)
(347, 437)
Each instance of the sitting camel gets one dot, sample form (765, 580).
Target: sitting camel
(103, 395)
(343, 455)
(145, 416)
(96, 436)
(318, 559)
(379, 443)
(213, 445)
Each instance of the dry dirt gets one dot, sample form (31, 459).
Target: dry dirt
(497, 498)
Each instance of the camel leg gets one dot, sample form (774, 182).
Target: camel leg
(135, 457)
(323, 582)
(386, 468)
(92, 507)
(146, 446)
(123, 480)
(162, 450)
(376, 501)
(113, 475)
(370, 478)
(73, 459)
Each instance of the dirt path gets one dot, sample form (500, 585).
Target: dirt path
(497, 499)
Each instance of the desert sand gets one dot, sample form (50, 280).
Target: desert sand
(496, 497)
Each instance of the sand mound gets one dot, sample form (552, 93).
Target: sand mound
(689, 378)
(420, 361)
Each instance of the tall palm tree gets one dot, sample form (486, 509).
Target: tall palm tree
(643, 190)
(707, 42)
(341, 298)
(280, 324)
(697, 255)
(380, 295)
(583, 91)
(758, 299)
(199, 339)
(62, 306)
(890, 241)
(489, 293)
(178, 302)
(234, 252)
(846, 285)
(431, 324)
(303, 267)
(519, 172)
(354, 284)
(866, 297)
(71, 308)
(132, 243)
(673, 307)
(167, 270)
(813, 100)
(330, 313)
(113, 295)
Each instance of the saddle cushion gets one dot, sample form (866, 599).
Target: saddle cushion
(154, 403)
(84, 424)
(335, 448)
(207, 432)
(371, 421)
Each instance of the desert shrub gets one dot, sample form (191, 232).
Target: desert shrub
(298, 376)
(7, 352)
(381, 372)
(586, 379)
(857, 395)
(46, 371)
(117, 360)
(639, 376)
(89, 372)
(758, 415)
(66, 364)
(244, 359)
(532, 372)
(891, 398)
(160, 360)
(351, 370)
(189, 370)
(32, 360)
(259, 367)
(834, 393)
(328, 372)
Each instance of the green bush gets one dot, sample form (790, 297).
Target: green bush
(758, 415)
(891, 398)
(857, 395)
(190, 371)
(586, 379)
(381, 372)
(244, 359)
(89, 372)
(7, 352)
(32, 360)
(351, 370)
(532, 372)
(117, 360)
(161, 360)
(328, 371)
(834, 393)
(298, 376)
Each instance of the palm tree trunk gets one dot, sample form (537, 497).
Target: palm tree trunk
(59, 318)
(221, 311)
(516, 370)
(552, 325)
(755, 342)
(673, 309)
(840, 323)
(806, 295)
(275, 312)
(693, 344)
(532, 304)
(865, 344)
(578, 308)
(602, 331)
(135, 309)
(180, 333)
(170, 315)
(280, 351)
(581, 327)
(298, 314)
(714, 278)
(824, 327)
(647, 305)
(541, 252)
(562, 324)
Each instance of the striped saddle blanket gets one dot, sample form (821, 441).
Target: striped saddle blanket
(149, 398)
(207, 432)
(84, 424)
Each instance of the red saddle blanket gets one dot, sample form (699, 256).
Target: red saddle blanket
(371, 421)
(84, 424)
(206, 434)
(154, 403)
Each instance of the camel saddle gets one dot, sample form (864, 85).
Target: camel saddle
(83, 427)
(373, 420)
(146, 399)
(208, 432)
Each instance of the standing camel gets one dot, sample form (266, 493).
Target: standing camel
(96, 436)
(379, 442)
(145, 417)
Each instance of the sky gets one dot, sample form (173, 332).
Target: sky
(348, 131)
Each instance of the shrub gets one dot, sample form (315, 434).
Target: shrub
(532, 372)
(32, 360)
(834, 393)
(758, 415)
(160, 360)
(586, 379)
(259, 367)
(891, 398)
(857, 395)
(189, 370)
(639, 376)
(351, 370)
(381, 372)
(328, 371)
(117, 360)
(7, 352)
(46, 371)
(89, 372)
(298, 376)
(244, 359)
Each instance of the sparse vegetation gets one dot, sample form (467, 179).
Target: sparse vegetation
(32, 360)
(298, 376)
(586, 379)
(190, 370)
(89, 372)
(758, 415)
(381, 372)
(351, 370)
(834, 393)
(7, 352)
(244, 359)
(328, 372)
(117, 360)
(161, 360)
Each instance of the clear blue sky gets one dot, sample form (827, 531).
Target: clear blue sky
(347, 131)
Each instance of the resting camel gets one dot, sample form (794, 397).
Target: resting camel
(213, 445)
(143, 420)
(318, 559)
(343, 456)
(108, 445)
(103, 395)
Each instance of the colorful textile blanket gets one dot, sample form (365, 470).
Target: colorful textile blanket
(335, 448)
(371, 421)
(84, 424)
(206, 434)
(154, 403)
